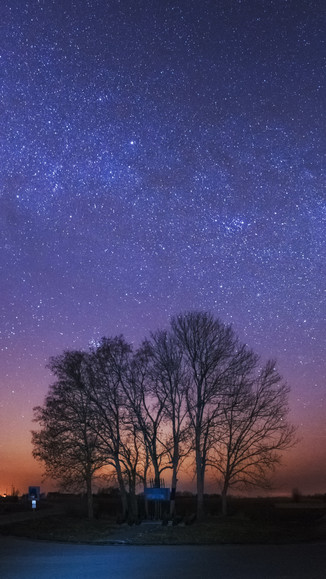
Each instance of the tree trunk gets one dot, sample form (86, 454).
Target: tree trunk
(145, 487)
(122, 487)
(224, 500)
(157, 477)
(174, 483)
(133, 505)
(200, 486)
(133, 498)
(90, 508)
(146, 503)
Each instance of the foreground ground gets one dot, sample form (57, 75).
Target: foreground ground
(279, 526)
(27, 559)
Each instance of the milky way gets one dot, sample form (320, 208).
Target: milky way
(156, 157)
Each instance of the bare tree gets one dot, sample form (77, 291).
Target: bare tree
(253, 430)
(147, 410)
(169, 382)
(108, 368)
(66, 443)
(135, 463)
(192, 389)
(212, 354)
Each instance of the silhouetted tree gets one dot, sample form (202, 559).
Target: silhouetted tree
(192, 389)
(169, 383)
(146, 410)
(134, 464)
(66, 443)
(212, 355)
(108, 368)
(254, 429)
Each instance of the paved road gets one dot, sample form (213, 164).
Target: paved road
(24, 559)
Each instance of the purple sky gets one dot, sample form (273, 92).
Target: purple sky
(156, 157)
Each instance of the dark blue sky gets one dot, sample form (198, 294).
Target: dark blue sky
(156, 157)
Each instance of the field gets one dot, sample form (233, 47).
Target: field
(264, 521)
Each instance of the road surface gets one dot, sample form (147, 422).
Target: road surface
(26, 559)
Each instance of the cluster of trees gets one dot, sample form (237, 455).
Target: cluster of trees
(192, 392)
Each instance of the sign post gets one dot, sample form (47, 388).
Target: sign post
(34, 496)
(34, 493)
(158, 495)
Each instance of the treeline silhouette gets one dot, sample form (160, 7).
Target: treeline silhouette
(191, 394)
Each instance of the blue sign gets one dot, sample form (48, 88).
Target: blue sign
(34, 493)
(155, 494)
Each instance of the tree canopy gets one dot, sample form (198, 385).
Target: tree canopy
(192, 391)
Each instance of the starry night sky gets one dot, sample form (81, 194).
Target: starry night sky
(159, 156)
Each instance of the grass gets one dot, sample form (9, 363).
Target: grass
(61, 528)
(215, 530)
